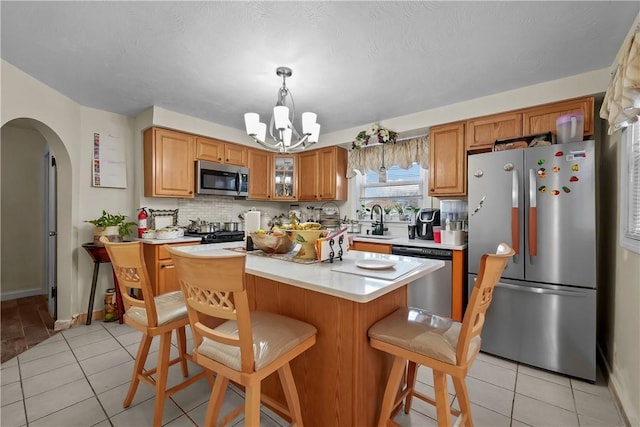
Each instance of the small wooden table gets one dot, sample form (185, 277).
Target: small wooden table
(99, 255)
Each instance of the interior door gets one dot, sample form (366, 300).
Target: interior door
(50, 208)
(496, 211)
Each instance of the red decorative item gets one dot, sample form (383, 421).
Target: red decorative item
(142, 222)
(559, 154)
(574, 179)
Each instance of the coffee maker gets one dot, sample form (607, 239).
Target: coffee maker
(426, 219)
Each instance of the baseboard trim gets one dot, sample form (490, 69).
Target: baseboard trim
(614, 386)
(6, 296)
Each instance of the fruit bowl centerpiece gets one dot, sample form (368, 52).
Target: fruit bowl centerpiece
(307, 240)
(276, 242)
(305, 234)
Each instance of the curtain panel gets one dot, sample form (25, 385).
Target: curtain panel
(621, 105)
(401, 154)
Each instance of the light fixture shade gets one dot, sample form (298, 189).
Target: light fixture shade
(281, 117)
(308, 120)
(251, 121)
(286, 137)
(315, 133)
(261, 133)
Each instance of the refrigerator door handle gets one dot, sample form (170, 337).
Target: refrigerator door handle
(515, 207)
(533, 215)
(540, 290)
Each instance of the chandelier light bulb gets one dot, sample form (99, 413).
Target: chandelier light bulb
(308, 122)
(251, 122)
(281, 117)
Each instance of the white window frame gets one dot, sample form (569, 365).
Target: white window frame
(630, 190)
(360, 185)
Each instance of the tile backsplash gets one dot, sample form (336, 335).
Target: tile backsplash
(223, 208)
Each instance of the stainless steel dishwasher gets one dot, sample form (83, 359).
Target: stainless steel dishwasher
(433, 291)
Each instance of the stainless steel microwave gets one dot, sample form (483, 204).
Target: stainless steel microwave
(221, 180)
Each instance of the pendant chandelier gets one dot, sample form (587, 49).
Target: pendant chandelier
(286, 138)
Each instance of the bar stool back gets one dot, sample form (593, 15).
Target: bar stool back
(446, 346)
(238, 345)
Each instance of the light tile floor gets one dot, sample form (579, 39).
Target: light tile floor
(79, 378)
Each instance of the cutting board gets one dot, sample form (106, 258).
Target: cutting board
(400, 269)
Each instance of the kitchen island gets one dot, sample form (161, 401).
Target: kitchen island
(341, 379)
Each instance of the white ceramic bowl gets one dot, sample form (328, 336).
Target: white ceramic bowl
(164, 234)
(149, 234)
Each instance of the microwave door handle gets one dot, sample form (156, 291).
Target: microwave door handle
(533, 215)
(239, 182)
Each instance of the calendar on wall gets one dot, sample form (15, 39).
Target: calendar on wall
(109, 168)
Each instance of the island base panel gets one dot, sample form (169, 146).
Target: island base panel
(340, 379)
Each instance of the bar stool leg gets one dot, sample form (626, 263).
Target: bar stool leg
(94, 281)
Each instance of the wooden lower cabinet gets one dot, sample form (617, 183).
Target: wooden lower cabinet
(379, 248)
(340, 379)
(162, 272)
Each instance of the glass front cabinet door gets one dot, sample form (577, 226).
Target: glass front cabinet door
(285, 178)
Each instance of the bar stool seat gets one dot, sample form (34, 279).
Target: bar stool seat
(416, 337)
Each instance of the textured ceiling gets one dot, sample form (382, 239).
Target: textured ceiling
(353, 63)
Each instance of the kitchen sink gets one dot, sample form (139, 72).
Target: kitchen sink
(372, 236)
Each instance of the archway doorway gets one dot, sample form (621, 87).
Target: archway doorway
(29, 212)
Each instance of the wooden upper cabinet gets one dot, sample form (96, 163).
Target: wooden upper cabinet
(322, 174)
(308, 176)
(235, 154)
(168, 163)
(542, 119)
(260, 171)
(217, 151)
(447, 160)
(284, 177)
(482, 132)
(332, 184)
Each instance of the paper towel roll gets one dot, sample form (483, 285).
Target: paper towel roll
(251, 222)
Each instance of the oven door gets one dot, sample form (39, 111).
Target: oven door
(217, 179)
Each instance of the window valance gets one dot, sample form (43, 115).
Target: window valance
(401, 154)
(621, 105)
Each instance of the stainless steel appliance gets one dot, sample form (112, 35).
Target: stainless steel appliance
(222, 180)
(433, 291)
(218, 236)
(425, 220)
(541, 201)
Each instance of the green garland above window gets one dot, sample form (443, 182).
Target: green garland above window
(383, 135)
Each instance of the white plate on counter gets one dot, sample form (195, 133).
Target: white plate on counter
(375, 264)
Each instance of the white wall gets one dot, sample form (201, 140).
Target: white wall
(618, 288)
(22, 226)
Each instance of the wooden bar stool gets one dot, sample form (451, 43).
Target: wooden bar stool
(244, 347)
(446, 346)
(153, 316)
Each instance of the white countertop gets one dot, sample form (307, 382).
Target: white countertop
(319, 277)
(405, 241)
(185, 239)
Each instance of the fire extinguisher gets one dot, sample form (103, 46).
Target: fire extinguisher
(142, 222)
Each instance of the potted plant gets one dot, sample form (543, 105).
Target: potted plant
(113, 227)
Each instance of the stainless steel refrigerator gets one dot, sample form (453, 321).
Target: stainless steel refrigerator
(542, 202)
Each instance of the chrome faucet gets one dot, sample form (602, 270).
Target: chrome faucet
(377, 227)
